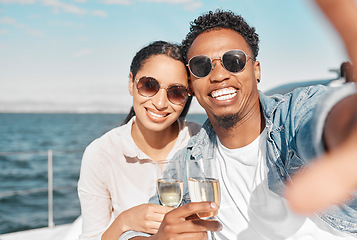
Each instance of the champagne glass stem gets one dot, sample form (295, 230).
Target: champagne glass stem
(212, 236)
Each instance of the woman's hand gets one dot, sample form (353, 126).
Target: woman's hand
(142, 218)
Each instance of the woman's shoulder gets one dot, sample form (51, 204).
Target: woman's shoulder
(109, 141)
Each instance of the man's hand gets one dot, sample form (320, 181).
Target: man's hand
(180, 223)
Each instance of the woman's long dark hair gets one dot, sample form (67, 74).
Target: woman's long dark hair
(156, 48)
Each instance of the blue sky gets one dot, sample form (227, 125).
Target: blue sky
(75, 54)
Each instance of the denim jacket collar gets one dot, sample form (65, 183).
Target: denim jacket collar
(203, 144)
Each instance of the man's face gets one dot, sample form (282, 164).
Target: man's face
(223, 93)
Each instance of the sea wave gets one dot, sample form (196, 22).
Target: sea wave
(24, 144)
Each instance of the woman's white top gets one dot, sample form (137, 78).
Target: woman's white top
(116, 175)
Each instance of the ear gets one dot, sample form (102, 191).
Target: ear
(131, 84)
(257, 72)
(190, 88)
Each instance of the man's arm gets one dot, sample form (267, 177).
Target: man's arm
(343, 16)
(332, 178)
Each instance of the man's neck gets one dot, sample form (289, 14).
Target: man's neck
(245, 131)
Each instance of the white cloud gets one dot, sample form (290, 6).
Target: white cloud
(99, 13)
(21, 25)
(18, 1)
(7, 20)
(59, 6)
(56, 11)
(3, 31)
(189, 5)
(52, 3)
(82, 39)
(193, 6)
(73, 25)
(120, 2)
(73, 9)
(36, 33)
(33, 16)
(168, 1)
(69, 8)
(82, 53)
(12, 21)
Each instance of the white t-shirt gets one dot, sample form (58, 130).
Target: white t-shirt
(249, 210)
(117, 175)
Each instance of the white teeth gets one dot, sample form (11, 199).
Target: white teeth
(226, 97)
(224, 94)
(155, 114)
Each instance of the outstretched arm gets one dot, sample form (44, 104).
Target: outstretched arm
(332, 178)
(343, 16)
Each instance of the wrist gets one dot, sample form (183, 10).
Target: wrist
(121, 223)
(116, 229)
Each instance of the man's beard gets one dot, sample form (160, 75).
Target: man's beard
(226, 121)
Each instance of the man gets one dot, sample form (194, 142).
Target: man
(258, 142)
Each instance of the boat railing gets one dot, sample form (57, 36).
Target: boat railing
(50, 153)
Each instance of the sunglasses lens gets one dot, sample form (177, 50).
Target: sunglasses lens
(234, 61)
(148, 86)
(200, 66)
(177, 94)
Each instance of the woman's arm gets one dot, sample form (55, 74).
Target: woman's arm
(142, 218)
(96, 205)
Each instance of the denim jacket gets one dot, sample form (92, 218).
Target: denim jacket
(294, 124)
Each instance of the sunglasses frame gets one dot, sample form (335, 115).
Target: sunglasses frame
(167, 88)
(247, 57)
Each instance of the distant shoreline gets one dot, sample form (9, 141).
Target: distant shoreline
(75, 107)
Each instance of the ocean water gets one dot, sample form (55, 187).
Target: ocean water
(25, 139)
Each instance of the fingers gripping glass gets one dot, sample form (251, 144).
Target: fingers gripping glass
(148, 87)
(233, 61)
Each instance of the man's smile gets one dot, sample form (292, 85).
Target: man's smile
(224, 93)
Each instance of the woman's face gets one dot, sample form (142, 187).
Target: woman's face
(157, 113)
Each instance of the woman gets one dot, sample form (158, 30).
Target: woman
(117, 173)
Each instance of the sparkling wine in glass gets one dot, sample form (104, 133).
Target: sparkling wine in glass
(203, 184)
(204, 189)
(169, 182)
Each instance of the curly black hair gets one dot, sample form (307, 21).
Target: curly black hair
(217, 20)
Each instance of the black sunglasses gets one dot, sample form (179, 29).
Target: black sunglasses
(233, 61)
(149, 86)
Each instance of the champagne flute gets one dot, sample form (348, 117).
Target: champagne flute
(203, 184)
(169, 182)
